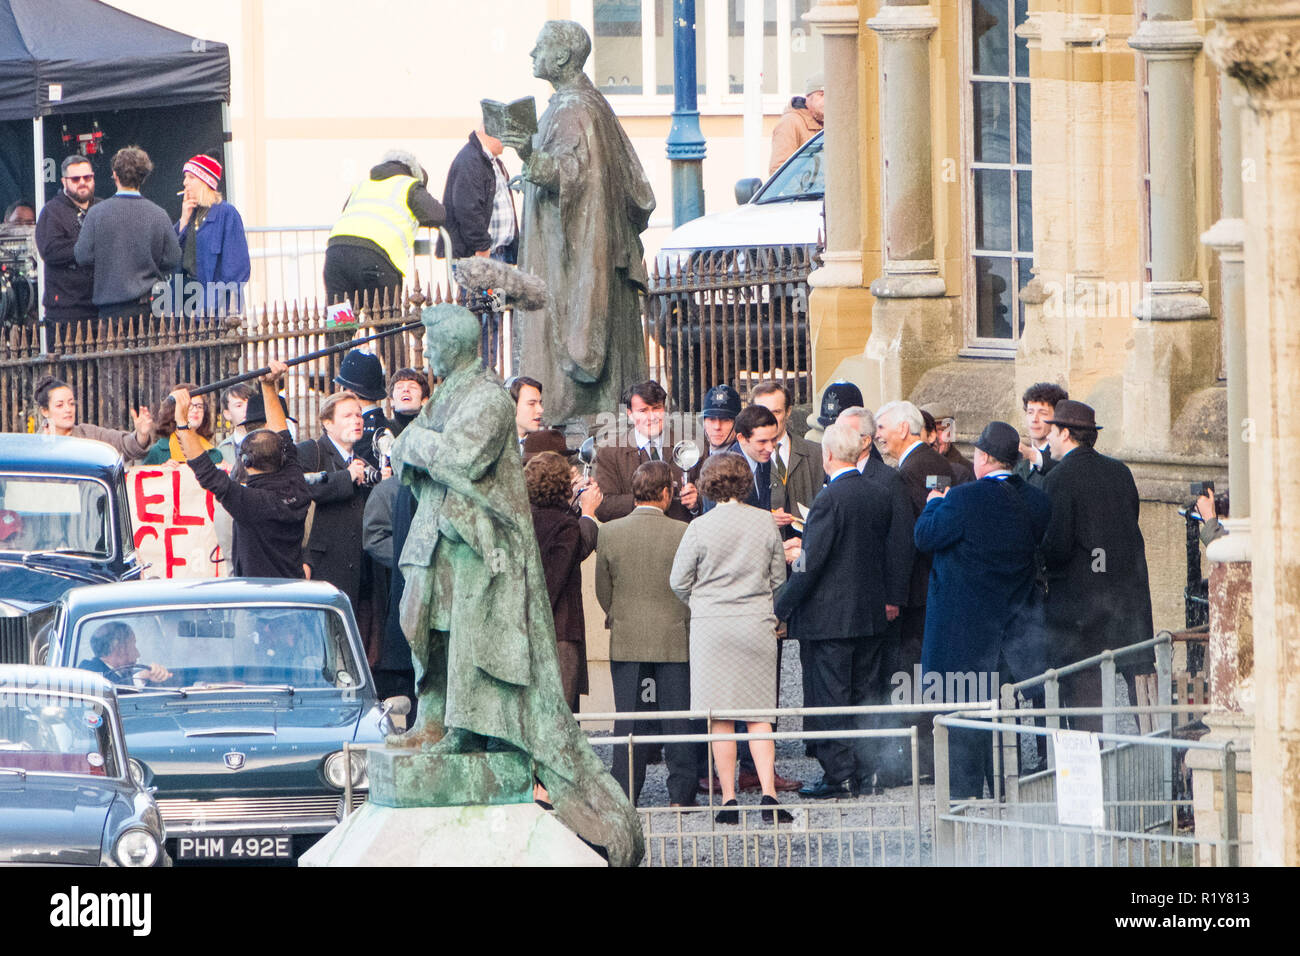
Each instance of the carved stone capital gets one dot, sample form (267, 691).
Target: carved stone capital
(834, 17)
(1264, 55)
(903, 22)
(1167, 40)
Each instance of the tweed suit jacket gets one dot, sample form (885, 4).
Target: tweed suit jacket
(804, 477)
(615, 465)
(634, 557)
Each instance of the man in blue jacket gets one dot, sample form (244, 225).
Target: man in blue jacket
(983, 606)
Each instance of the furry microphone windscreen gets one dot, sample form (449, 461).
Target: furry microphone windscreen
(479, 274)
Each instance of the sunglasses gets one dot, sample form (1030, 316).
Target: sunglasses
(80, 179)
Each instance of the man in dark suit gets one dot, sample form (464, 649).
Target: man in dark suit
(983, 593)
(1098, 594)
(756, 430)
(1039, 402)
(338, 484)
(834, 601)
(945, 440)
(616, 463)
(898, 428)
(796, 462)
(900, 553)
(649, 645)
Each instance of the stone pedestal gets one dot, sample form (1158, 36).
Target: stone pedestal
(1231, 657)
(450, 810)
(908, 338)
(520, 834)
(1207, 785)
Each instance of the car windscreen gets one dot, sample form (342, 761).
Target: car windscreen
(202, 648)
(53, 733)
(804, 177)
(38, 513)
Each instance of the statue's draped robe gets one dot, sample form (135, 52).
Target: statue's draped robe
(476, 611)
(586, 202)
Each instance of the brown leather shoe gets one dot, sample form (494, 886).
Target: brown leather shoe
(703, 784)
(750, 781)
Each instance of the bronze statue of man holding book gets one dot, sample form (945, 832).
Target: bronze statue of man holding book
(586, 202)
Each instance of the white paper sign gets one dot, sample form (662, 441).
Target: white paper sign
(1078, 779)
(172, 518)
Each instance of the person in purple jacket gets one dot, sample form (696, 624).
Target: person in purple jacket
(214, 251)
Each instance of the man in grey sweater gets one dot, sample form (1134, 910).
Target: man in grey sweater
(128, 240)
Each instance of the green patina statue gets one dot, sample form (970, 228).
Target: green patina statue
(475, 608)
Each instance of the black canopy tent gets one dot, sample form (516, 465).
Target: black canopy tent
(73, 68)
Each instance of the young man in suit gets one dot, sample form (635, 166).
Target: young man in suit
(834, 602)
(898, 429)
(983, 597)
(796, 462)
(616, 463)
(1039, 402)
(1098, 594)
(649, 628)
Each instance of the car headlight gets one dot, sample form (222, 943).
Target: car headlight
(137, 771)
(136, 848)
(336, 769)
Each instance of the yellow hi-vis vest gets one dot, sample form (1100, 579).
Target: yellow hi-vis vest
(377, 211)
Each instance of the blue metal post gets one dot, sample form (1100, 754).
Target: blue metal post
(685, 140)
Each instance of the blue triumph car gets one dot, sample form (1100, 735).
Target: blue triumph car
(237, 696)
(66, 795)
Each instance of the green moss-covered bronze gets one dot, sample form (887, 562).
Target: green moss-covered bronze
(475, 608)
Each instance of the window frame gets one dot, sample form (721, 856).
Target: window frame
(975, 345)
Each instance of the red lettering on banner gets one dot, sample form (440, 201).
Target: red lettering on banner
(211, 502)
(172, 561)
(141, 533)
(143, 501)
(177, 517)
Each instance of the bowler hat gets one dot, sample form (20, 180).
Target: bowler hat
(362, 373)
(1072, 414)
(255, 413)
(721, 401)
(999, 440)
(548, 439)
(837, 397)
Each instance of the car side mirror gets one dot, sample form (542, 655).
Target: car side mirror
(745, 189)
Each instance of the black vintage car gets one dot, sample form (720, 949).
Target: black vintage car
(64, 521)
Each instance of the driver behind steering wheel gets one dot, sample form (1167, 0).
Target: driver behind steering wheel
(117, 657)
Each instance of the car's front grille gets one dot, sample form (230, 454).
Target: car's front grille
(13, 640)
(271, 810)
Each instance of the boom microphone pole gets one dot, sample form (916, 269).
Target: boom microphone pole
(319, 353)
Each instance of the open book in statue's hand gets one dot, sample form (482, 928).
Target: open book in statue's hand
(506, 121)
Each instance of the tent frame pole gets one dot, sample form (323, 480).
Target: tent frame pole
(38, 155)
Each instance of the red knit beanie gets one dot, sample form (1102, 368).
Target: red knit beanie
(206, 168)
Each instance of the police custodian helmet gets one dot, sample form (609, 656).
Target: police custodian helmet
(837, 397)
(722, 401)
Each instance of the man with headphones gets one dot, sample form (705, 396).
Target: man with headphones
(270, 509)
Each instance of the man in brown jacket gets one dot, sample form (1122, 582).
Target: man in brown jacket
(649, 628)
(801, 121)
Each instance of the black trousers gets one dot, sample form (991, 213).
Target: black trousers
(1083, 689)
(353, 272)
(654, 686)
(846, 672)
(911, 621)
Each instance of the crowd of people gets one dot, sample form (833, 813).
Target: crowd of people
(903, 569)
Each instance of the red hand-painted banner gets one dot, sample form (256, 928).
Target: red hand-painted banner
(172, 519)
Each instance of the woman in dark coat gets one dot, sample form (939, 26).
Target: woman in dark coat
(564, 540)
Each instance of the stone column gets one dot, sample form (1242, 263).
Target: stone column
(1173, 348)
(911, 270)
(1231, 649)
(1259, 45)
(839, 306)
